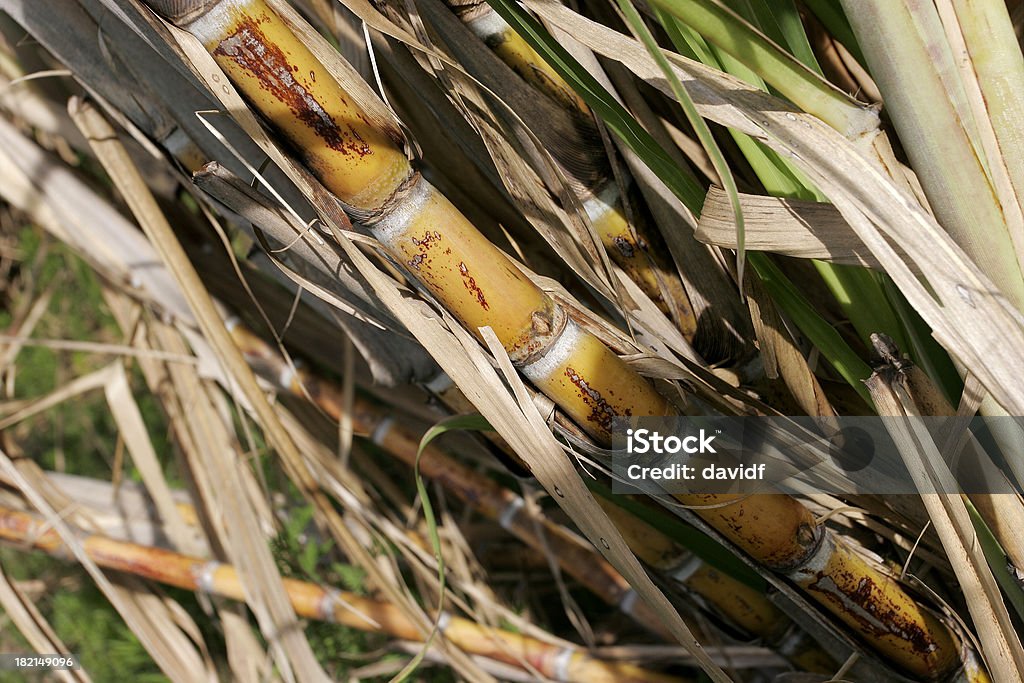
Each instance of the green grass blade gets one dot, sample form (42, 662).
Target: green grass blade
(859, 292)
(780, 21)
(863, 299)
(457, 423)
(700, 127)
(922, 347)
(686, 41)
(801, 85)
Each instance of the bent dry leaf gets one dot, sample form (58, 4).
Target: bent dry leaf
(790, 227)
(950, 517)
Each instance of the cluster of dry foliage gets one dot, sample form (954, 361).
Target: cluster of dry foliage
(348, 295)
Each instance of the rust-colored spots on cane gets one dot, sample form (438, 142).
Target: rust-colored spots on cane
(875, 615)
(601, 411)
(424, 244)
(248, 47)
(624, 246)
(469, 282)
(428, 239)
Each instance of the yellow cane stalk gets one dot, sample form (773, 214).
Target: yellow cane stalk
(480, 286)
(315, 602)
(487, 25)
(419, 227)
(356, 161)
(869, 602)
(631, 251)
(603, 204)
(741, 606)
(782, 534)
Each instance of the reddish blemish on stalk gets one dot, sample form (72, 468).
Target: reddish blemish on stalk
(601, 411)
(470, 283)
(874, 617)
(624, 246)
(541, 661)
(428, 239)
(536, 337)
(304, 383)
(425, 244)
(249, 48)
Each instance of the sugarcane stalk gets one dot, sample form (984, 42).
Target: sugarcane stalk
(741, 606)
(999, 65)
(323, 604)
(481, 286)
(626, 242)
(418, 226)
(911, 62)
(397, 438)
(488, 25)
(977, 469)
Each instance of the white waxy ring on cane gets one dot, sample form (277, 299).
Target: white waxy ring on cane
(510, 512)
(381, 430)
(286, 377)
(602, 203)
(628, 601)
(325, 607)
(440, 383)
(209, 27)
(204, 576)
(557, 353)
(687, 569)
(561, 663)
(488, 25)
(444, 620)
